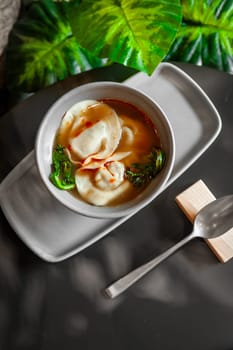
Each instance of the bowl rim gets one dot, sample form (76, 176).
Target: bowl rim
(104, 212)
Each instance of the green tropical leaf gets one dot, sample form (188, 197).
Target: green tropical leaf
(206, 34)
(43, 50)
(136, 33)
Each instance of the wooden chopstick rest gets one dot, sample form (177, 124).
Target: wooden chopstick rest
(193, 199)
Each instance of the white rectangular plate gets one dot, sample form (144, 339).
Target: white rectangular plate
(55, 233)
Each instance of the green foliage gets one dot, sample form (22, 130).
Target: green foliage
(206, 34)
(53, 39)
(42, 49)
(131, 32)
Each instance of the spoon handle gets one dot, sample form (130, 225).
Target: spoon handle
(126, 281)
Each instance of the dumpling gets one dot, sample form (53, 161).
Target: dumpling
(100, 184)
(93, 131)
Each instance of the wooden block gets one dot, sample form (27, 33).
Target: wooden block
(194, 199)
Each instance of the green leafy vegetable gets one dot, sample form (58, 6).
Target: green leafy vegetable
(140, 174)
(43, 50)
(136, 33)
(206, 34)
(61, 175)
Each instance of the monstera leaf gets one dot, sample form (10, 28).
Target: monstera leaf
(136, 33)
(43, 50)
(206, 34)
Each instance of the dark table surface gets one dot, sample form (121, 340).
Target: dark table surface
(185, 303)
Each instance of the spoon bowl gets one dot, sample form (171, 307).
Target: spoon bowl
(211, 221)
(214, 219)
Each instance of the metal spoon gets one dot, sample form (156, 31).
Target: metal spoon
(213, 220)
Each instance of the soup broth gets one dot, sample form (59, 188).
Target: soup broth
(144, 131)
(103, 139)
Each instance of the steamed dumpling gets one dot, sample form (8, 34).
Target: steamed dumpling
(93, 129)
(96, 136)
(100, 184)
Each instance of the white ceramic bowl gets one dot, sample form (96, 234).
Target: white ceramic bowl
(98, 91)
